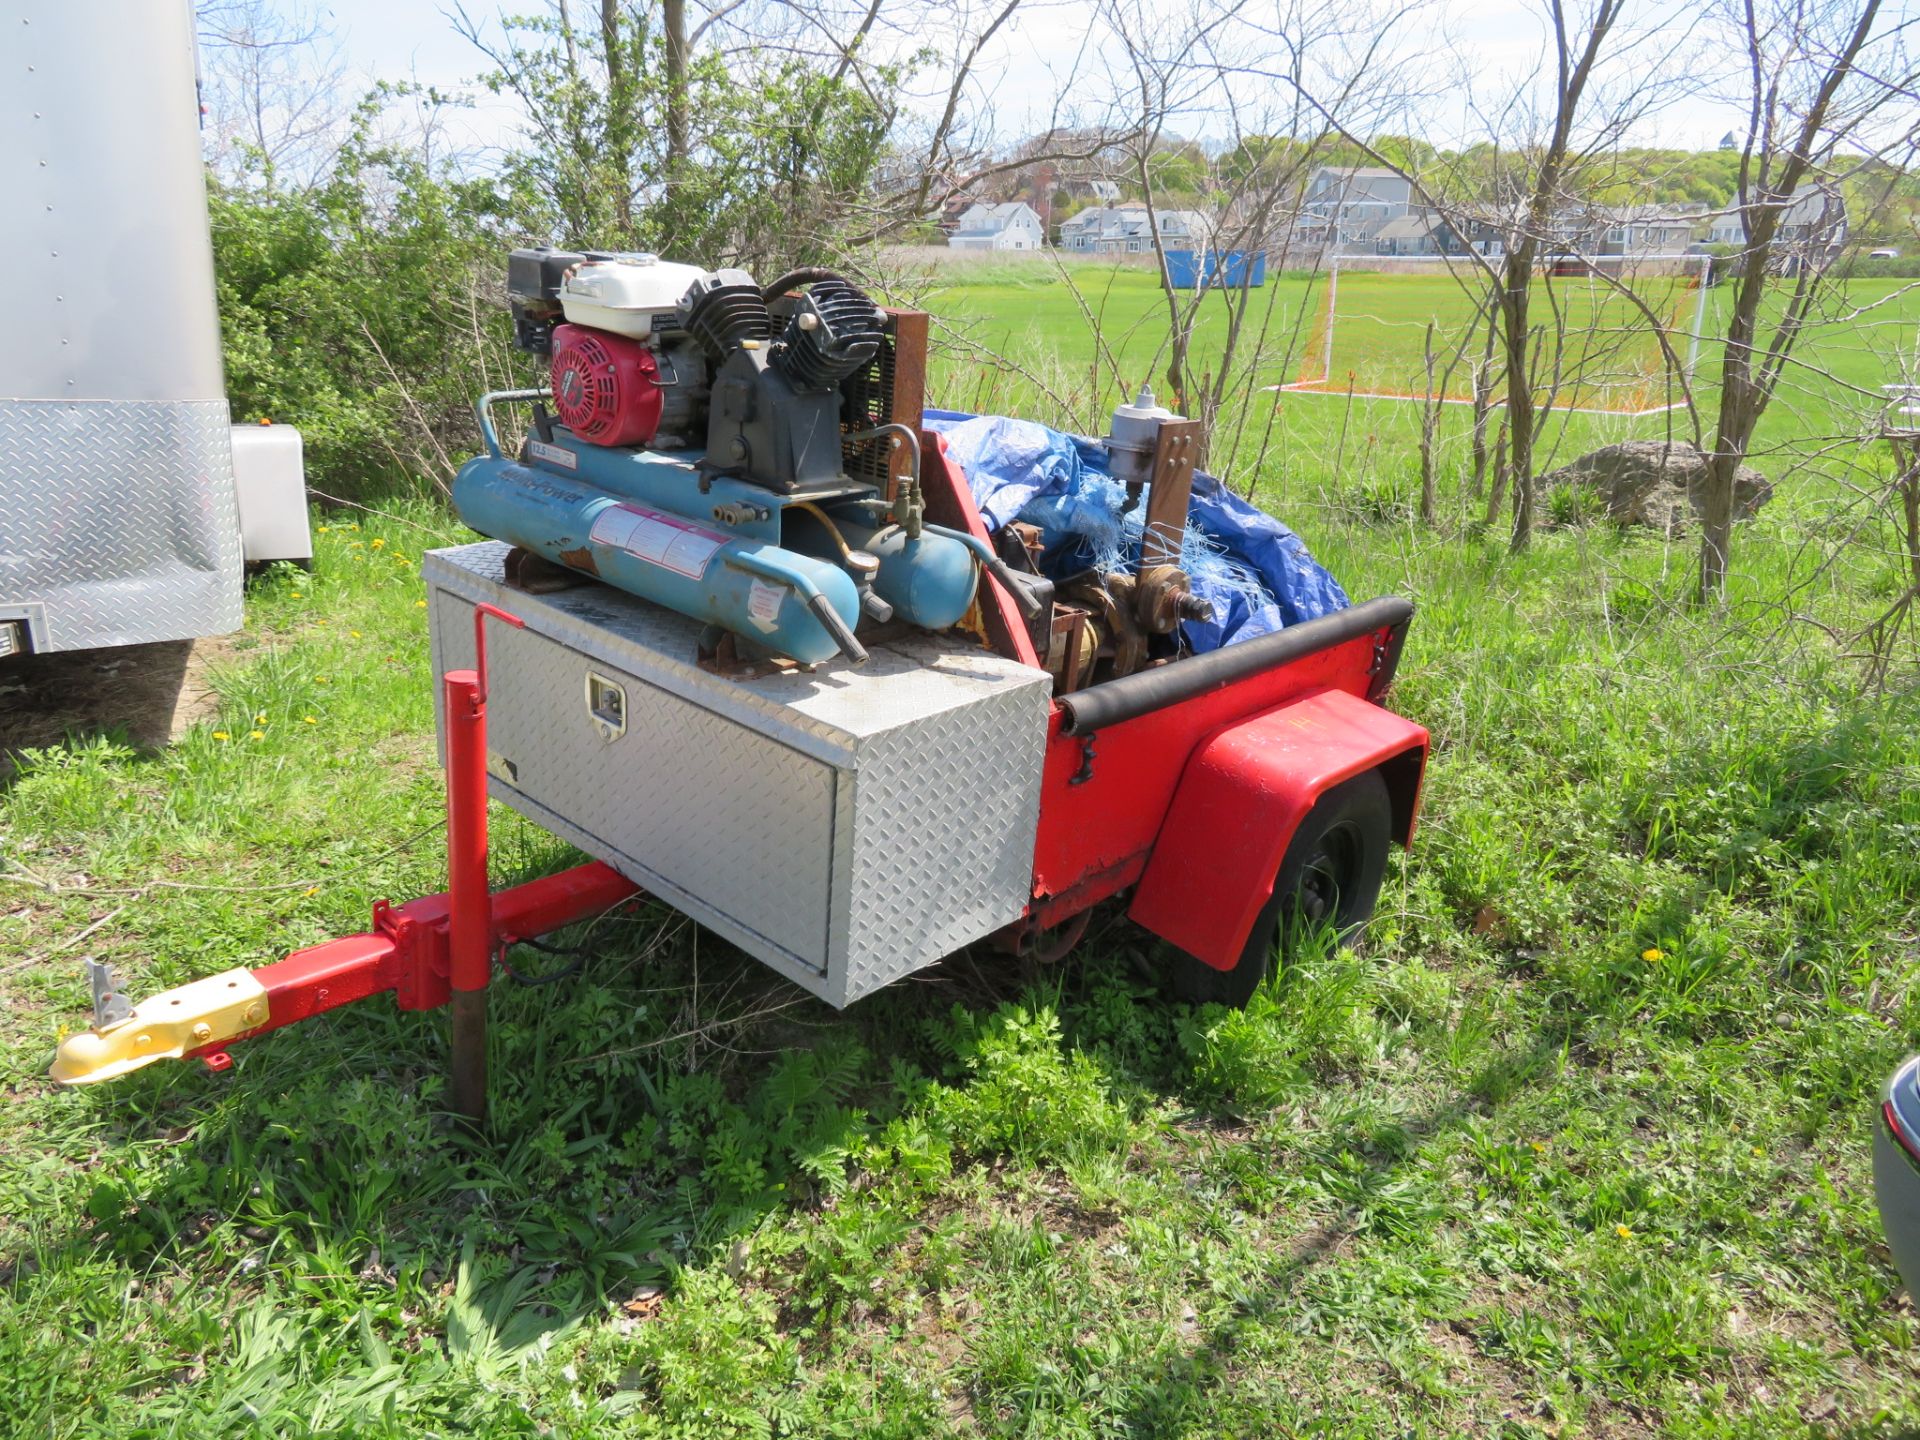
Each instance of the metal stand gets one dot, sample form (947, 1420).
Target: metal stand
(470, 934)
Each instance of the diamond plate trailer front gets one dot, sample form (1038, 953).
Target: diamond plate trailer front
(119, 520)
(847, 826)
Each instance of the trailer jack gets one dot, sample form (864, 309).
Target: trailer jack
(425, 953)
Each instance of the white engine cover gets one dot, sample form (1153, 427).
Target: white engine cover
(627, 295)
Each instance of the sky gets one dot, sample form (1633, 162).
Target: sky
(1020, 71)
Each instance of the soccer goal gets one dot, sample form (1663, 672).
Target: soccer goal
(1619, 331)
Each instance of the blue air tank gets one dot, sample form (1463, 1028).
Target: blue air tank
(761, 591)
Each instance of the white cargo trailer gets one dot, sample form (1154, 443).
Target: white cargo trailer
(119, 519)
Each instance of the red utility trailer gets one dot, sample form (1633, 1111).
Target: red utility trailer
(1217, 794)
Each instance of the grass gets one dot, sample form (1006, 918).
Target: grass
(1578, 1144)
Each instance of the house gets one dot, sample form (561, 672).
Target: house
(1814, 213)
(1642, 230)
(1013, 225)
(1424, 231)
(1129, 229)
(1346, 207)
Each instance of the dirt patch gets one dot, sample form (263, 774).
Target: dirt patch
(148, 693)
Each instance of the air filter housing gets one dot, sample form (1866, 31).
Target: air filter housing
(605, 388)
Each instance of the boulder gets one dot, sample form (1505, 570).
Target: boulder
(1651, 482)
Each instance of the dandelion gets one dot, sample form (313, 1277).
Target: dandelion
(1758, 1152)
(261, 718)
(256, 735)
(1625, 1232)
(1652, 954)
(354, 633)
(419, 604)
(320, 620)
(319, 679)
(1539, 1147)
(308, 720)
(222, 736)
(299, 594)
(323, 529)
(376, 544)
(311, 890)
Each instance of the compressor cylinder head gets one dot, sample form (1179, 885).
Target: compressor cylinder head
(834, 330)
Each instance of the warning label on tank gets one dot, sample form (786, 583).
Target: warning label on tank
(660, 539)
(763, 603)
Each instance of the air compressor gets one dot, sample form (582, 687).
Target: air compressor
(697, 455)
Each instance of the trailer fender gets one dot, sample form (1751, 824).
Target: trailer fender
(1242, 795)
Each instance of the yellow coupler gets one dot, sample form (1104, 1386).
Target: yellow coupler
(165, 1027)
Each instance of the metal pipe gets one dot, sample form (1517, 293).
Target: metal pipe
(910, 506)
(995, 566)
(821, 606)
(470, 927)
(483, 409)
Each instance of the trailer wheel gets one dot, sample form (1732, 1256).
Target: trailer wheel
(1329, 876)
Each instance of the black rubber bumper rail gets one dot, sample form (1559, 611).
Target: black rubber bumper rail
(1117, 700)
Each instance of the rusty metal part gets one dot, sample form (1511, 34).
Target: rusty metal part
(1072, 647)
(1058, 945)
(1159, 597)
(723, 658)
(467, 1057)
(537, 575)
(1122, 642)
(1169, 492)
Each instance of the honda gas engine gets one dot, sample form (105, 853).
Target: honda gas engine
(698, 452)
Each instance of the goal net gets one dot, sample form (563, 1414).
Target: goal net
(1616, 333)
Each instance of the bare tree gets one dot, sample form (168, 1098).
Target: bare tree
(1501, 200)
(1819, 74)
(1210, 66)
(271, 81)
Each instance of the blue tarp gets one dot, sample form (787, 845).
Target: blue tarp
(1255, 571)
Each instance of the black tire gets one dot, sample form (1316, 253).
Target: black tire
(1330, 875)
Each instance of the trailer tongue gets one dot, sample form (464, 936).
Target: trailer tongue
(810, 698)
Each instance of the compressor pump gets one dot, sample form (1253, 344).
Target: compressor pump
(697, 455)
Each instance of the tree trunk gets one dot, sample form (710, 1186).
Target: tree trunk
(1739, 413)
(1716, 524)
(1519, 420)
(673, 19)
(620, 114)
(1498, 493)
(1429, 422)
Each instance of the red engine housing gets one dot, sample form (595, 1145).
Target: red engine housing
(606, 387)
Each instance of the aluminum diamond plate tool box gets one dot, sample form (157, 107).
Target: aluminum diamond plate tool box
(847, 826)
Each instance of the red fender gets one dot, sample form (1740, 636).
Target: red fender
(1243, 793)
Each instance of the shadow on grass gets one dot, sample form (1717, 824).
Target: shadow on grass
(1187, 1381)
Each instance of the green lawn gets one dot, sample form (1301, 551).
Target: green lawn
(1577, 1144)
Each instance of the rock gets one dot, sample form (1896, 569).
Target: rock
(1651, 482)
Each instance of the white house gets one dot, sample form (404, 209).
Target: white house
(1346, 208)
(1129, 229)
(1014, 225)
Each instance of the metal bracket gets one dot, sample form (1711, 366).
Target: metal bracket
(110, 1004)
(1085, 772)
